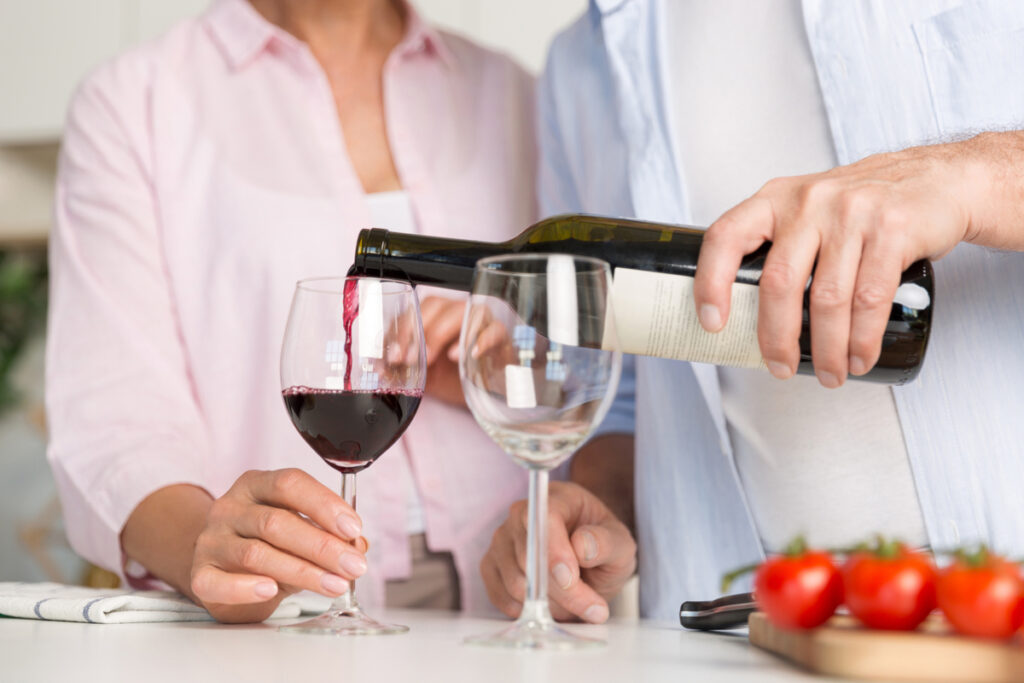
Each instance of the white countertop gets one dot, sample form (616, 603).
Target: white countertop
(432, 651)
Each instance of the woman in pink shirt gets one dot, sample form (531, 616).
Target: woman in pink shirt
(201, 176)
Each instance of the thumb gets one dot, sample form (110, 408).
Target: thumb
(607, 556)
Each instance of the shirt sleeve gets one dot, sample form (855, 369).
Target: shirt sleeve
(557, 193)
(120, 406)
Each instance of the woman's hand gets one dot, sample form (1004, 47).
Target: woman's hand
(442, 323)
(271, 535)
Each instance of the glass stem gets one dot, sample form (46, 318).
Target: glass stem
(535, 608)
(347, 601)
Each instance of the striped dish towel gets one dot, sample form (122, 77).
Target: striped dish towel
(57, 602)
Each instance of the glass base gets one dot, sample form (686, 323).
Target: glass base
(532, 634)
(344, 622)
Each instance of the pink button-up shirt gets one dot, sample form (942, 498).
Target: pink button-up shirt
(201, 176)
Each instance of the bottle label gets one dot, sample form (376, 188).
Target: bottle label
(655, 316)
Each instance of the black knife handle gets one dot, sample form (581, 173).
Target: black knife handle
(730, 611)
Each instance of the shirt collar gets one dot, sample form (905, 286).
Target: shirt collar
(421, 36)
(240, 30)
(605, 7)
(243, 33)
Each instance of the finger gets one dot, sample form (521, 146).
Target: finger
(512, 574)
(430, 308)
(559, 613)
(493, 336)
(565, 587)
(608, 545)
(290, 533)
(781, 299)
(362, 545)
(873, 293)
(293, 489)
(496, 591)
(562, 565)
(254, 556)
(476, 322)
(739, 231)
(508, 552)
(515, 531)
(444, 330)
(415, 343)
(404, 339)
(213, 585)
(454, 351)
(252, 613)
(830, 301)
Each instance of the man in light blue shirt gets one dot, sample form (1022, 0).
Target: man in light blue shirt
(894, 80)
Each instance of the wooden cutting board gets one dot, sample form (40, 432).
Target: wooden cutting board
(933, 654)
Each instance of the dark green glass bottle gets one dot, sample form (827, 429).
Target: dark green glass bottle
(653, 266)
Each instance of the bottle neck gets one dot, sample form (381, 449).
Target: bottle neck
(420, 259)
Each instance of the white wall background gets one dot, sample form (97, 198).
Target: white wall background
(522, 28)
(46, 47)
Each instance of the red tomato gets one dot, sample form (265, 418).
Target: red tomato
(798, 591)
(892, 588)
(982, 595)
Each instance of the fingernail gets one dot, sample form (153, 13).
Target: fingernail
(779, 370)
(596, 614)
(562, 575)
(265, 589)
(589, 546)
(710, 317)
(857, 365)
(353, 564)
(827, 379)
(362, 545)
(349, 526)
(453, 353)
(332, 583)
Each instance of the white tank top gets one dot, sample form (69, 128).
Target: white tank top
(746, 107)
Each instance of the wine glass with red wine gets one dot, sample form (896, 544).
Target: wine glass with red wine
(539, 367)
(353, 367)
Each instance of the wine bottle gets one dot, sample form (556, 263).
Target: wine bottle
(653, 267)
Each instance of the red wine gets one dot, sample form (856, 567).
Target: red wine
(653, 267)
(350, 429)
(350, 305)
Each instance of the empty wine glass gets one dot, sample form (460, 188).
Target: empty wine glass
(353, 367)
(539, 368)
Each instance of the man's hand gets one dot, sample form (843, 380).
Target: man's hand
(863, 224)
(591, 554)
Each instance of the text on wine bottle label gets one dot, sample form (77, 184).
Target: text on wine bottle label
(655, 316)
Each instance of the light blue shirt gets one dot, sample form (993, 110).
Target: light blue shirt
(892, 75)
